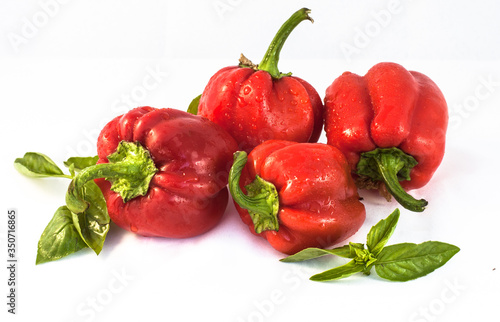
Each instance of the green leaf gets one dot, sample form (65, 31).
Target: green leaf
(93, 223)
(80, 163)
(380, 233)
(60, 238)
(407, 261)
(38, 165)
(193, 106)
(339, 272)
(354, 249)
(311, 253)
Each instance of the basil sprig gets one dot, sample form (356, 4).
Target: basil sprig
(68, 232)
(399, 262)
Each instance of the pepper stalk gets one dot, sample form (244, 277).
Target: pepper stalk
(269, 62)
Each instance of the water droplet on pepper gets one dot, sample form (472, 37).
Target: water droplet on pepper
(241, 101)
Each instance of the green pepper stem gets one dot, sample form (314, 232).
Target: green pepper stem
(130, 170)
(390, 166)
(270, 61)
(262, 201)
(394, 187)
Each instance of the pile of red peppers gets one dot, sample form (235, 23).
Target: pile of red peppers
(165, 172)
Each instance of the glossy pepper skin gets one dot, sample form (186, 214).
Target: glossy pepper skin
(316, 202)
(187, 196)
(255, 103)
(389, 108)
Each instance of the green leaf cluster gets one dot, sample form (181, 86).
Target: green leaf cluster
(400, 262)
(69, 231)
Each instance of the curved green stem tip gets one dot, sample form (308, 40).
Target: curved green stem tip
(270, 60)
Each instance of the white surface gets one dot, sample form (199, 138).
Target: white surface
(83, 63)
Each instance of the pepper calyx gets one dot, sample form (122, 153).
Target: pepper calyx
(261, 200)
(244, 62)
(389, 166)
(139, 169)
(130, 170)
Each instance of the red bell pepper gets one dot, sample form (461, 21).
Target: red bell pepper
(159, 172)
(296, 195)
(255, 103)
(187, 158)
(391, 125)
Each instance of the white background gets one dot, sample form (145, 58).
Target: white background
(68, 67)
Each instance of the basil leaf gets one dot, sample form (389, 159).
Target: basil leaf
(339, 272)
(60, 238)
(407, 261)
(193, 106)
(38, 165)
(380, 233)
(344, 251)
(93, 223)
(354, 249)
(311, 253)
(80, 163)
